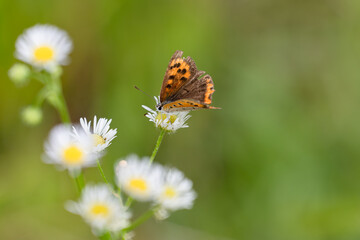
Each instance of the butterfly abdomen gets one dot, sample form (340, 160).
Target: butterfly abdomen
(182, 105)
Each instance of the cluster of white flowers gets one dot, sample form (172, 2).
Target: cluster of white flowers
(167, 188)
(167, 121)
(45, 48)
(143, 181)
(80, 146)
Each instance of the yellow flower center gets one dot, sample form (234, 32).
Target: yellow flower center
(138, 184)
(73, 155)
(43, 54)
(99, 140)
(169, 192)
(100, 209)
(162, 117)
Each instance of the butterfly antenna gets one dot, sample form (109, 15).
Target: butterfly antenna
(142, 91)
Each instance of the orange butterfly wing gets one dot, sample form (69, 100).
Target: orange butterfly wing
(194, 95)
(182, 90)
(178, 73)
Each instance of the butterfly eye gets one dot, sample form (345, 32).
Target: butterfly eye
(159, 108)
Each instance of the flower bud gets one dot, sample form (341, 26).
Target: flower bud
(31, 115)
(19, 74)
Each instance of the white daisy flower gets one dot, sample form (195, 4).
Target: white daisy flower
(176, 192)
(43, 46)
(101, 133)
(167, 121)
(67, 151)
(100, 209)
(138, 177)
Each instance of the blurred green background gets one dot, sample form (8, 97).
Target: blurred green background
(279, 161)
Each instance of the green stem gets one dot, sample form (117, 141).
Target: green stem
(129, 202)
(119, 194)
(102, 172)
(158, 142)
(41, 97)
(59, 100)
(140, 220)
(62, 108)
(38, 76)
(106, 236)
(80, 182)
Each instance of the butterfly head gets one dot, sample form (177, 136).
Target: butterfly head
(168, 106)
(159, 106)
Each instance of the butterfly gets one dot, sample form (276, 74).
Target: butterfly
(182, 88)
